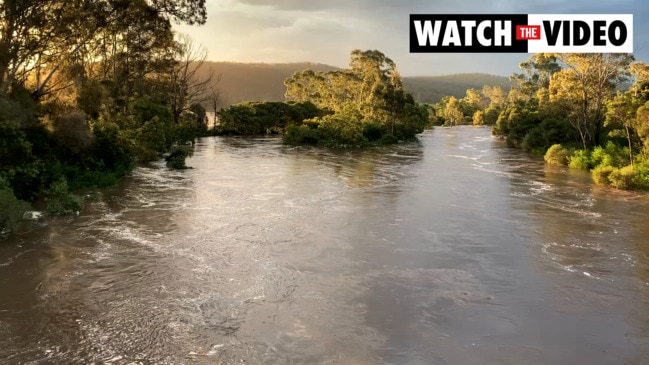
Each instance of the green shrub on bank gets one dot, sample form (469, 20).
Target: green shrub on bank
(610, 155)
(601, 175)
(623, 178)
(387, 139)
(557, 155)
(11, 208)
(372, 131)
(303, 134)
(60, 201)
(581, 160)
(177, 156)
(340, 130)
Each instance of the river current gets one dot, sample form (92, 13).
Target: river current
(452, 250)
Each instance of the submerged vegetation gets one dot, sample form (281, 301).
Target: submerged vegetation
(585, 111)
(89, 89)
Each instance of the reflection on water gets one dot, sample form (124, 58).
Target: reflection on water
(453, 250)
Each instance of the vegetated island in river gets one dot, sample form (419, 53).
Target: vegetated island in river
(365, 105)
(579, 110)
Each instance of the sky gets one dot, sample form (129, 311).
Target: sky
(321, 31)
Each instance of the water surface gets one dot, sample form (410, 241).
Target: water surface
(453, 250)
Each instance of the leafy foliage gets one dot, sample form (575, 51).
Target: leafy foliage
(85, 92)
(60, 201)
(177, 156)
(367, 100)
(11, 208)
(557, 155)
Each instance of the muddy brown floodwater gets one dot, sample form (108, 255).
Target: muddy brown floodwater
(453, 250)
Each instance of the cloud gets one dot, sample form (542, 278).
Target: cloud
(326, 31)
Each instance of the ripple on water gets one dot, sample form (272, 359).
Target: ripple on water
(590, 259)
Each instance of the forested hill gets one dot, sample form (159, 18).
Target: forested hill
(265, 81)
(431, 89)
(255, 81)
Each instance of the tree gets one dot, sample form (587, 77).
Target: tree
(476, 99)
(537, 72)
(621, 110)
(186, 88)
(452, 112)
(369, 92)
(584, 85)
(478, 118)
(38, 38)
(495, 96)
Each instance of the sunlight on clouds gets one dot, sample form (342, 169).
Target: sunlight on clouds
(326, 31)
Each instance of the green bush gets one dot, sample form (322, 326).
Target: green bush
(153, 136)
(534, 139)
(557, 155)
(641, 180)
(372, 131)
(186, 132)
(412, 120)
(60, 201)
(623, 178)
(301, 135)
(339, 130)
(610, 155)
(581, 159)
(11, 208)
(112, 148)
(146, 108)
(387, 139)
(19, 165)
(601, 175)
(258, 118)
(177, 156)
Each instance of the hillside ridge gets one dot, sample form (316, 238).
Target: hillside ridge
(261, 81)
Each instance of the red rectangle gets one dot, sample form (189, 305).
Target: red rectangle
(525, 32)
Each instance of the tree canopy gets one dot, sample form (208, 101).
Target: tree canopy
(88, 87)
(369, 92)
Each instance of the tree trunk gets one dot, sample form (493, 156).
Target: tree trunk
(628, 137)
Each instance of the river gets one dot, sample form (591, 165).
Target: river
(453, 250)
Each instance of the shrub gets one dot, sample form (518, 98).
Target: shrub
(611, 155)
(146, 108)
(112, 148)
(557, 155)
(177, 156)
(153, 136)
(372, 131)
(641, 179)
(534, 139)
(601, 175)
(388, 139)
(18, 164)
(60, 201)
(301, 135)
(312, 123)
(581, 159)
(11, 208)
(340, 130)
(186, 132)
(623, 178)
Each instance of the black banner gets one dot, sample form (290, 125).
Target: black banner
(468, 33)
